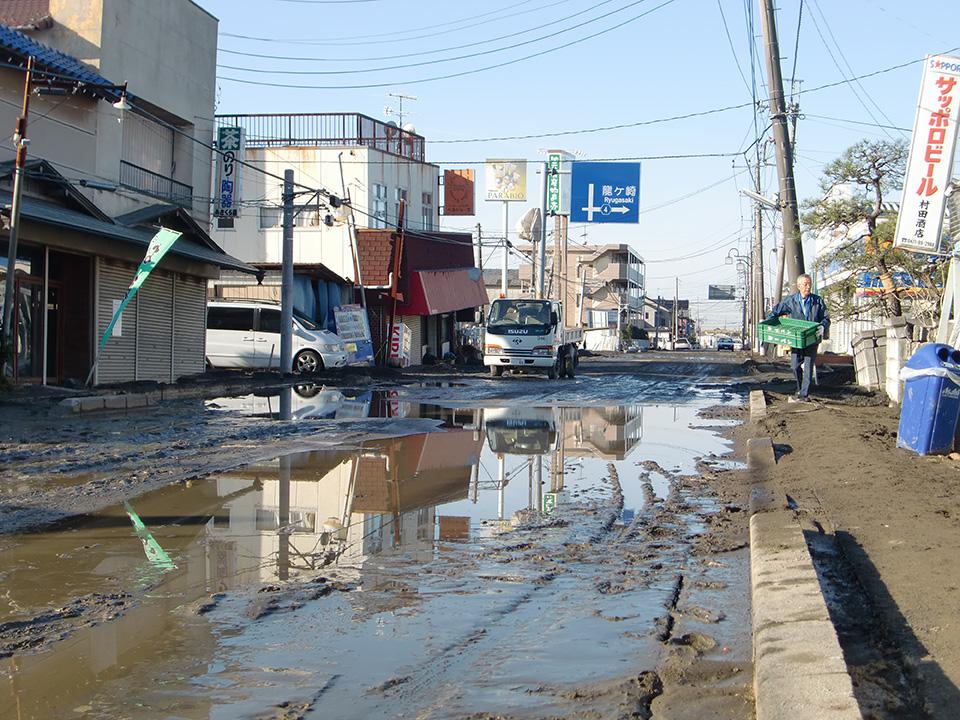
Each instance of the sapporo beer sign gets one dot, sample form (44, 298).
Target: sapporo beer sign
(931, 156)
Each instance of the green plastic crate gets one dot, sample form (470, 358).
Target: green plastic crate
(787, 331)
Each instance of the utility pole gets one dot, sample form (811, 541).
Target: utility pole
(676, 310)
(506, 248)
(480, 263)
(778, 114)
(757, 264)
(656, 322)
(286, 291)
(543, 235)
(21, 142)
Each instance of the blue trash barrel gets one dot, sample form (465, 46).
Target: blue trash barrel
(931, 400)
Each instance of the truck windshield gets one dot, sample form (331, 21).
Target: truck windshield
(521, 441)
(526, 313)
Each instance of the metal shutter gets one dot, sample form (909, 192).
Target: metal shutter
(118, 361)
(415, 324)
(154, 325)
(189, 326)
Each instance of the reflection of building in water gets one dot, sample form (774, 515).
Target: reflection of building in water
(606, 432)
(326, 507)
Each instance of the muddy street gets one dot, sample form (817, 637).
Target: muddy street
(441, 547)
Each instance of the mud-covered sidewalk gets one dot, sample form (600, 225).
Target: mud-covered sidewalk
(882, 526)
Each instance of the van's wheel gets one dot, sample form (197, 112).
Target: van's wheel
(496, 370)
(554, 370)
(307, 362)
(568, 366)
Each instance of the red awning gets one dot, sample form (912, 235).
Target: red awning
(433, 292)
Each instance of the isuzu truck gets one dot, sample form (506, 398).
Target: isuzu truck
(523, 335)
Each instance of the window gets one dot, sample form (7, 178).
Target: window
(225, 223)
(270, 217)
(426, 212)
(379, 208)
(400, 194)
(270, 321)
(224, 318)
(306, 216)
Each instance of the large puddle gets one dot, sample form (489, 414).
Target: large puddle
(434, 542)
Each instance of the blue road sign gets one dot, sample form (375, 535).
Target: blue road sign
(603, 192)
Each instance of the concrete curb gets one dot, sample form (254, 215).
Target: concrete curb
(798, 665)
(122, 402)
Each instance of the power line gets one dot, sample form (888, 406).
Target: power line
(378, 38)
(428, 52)
(726, 29)
(458, 74)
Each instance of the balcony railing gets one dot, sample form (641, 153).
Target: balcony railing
(326, 130)
(155, 185)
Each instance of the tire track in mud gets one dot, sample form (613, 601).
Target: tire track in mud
(605, 561)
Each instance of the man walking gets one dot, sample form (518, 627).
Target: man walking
(804, 305)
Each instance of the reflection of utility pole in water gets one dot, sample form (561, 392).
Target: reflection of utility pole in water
(556, 477)
(283, 550)
(501, 484)
(538, 483)
(475, 482)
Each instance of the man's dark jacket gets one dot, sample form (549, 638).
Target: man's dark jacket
(793, 307)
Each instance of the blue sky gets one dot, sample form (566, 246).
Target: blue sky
(648, 60)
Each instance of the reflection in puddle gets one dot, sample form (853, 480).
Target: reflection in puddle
(411, 498)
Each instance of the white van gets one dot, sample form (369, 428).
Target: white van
(247, 335)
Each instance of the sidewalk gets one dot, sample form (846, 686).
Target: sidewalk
(882, 525)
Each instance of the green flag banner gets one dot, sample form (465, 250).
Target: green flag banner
(159, 244)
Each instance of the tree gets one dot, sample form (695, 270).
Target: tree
(855, 186)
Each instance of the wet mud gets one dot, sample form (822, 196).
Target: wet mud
(441, 560)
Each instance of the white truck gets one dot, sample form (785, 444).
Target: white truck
(525, 335)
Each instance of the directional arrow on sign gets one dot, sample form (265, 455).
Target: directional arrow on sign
(620, 209)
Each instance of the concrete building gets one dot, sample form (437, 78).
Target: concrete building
(101, 180)
(166, 54)
(597, 283)
(376, 164)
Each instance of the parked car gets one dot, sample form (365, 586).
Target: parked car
(681, 344)
(724, 343)
(639, 345)
(247, 335)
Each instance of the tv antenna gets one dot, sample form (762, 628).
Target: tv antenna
(388, 110)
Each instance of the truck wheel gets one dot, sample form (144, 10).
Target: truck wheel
(496, 370)
(554, 370)
(569, 365)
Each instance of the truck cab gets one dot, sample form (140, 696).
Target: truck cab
(527, 335)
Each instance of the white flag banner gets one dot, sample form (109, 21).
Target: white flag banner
(931, 156)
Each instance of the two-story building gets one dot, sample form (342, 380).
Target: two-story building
(119, 123)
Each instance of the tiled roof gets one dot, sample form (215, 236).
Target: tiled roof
(26, 14)
(47, 213)
(17, 47)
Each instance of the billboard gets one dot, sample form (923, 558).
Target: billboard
(506, 180)
(721, 292)
(931, 157)
(458, 192)
(558, 182)
(226, 191)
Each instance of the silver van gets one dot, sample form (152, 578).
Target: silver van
(246, 334)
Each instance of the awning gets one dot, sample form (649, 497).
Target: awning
(432, 292)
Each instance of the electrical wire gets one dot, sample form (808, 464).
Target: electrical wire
(463, 73)
(379, 38)
(427, 52)
(726, 30)
(796, 51)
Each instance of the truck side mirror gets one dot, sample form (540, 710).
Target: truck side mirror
(553, 317)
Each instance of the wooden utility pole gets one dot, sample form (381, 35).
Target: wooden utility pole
(20, 141)
(778, 116)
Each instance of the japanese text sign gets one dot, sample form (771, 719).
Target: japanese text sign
(226, 191)
(604, 192)
(458, 192)
(931, 157)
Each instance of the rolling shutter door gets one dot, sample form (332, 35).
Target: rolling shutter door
(154, 327)
(118, 361)
(190, 326)
(415, 323)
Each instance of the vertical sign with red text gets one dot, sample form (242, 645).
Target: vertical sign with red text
(931, 156)
(226, 191)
